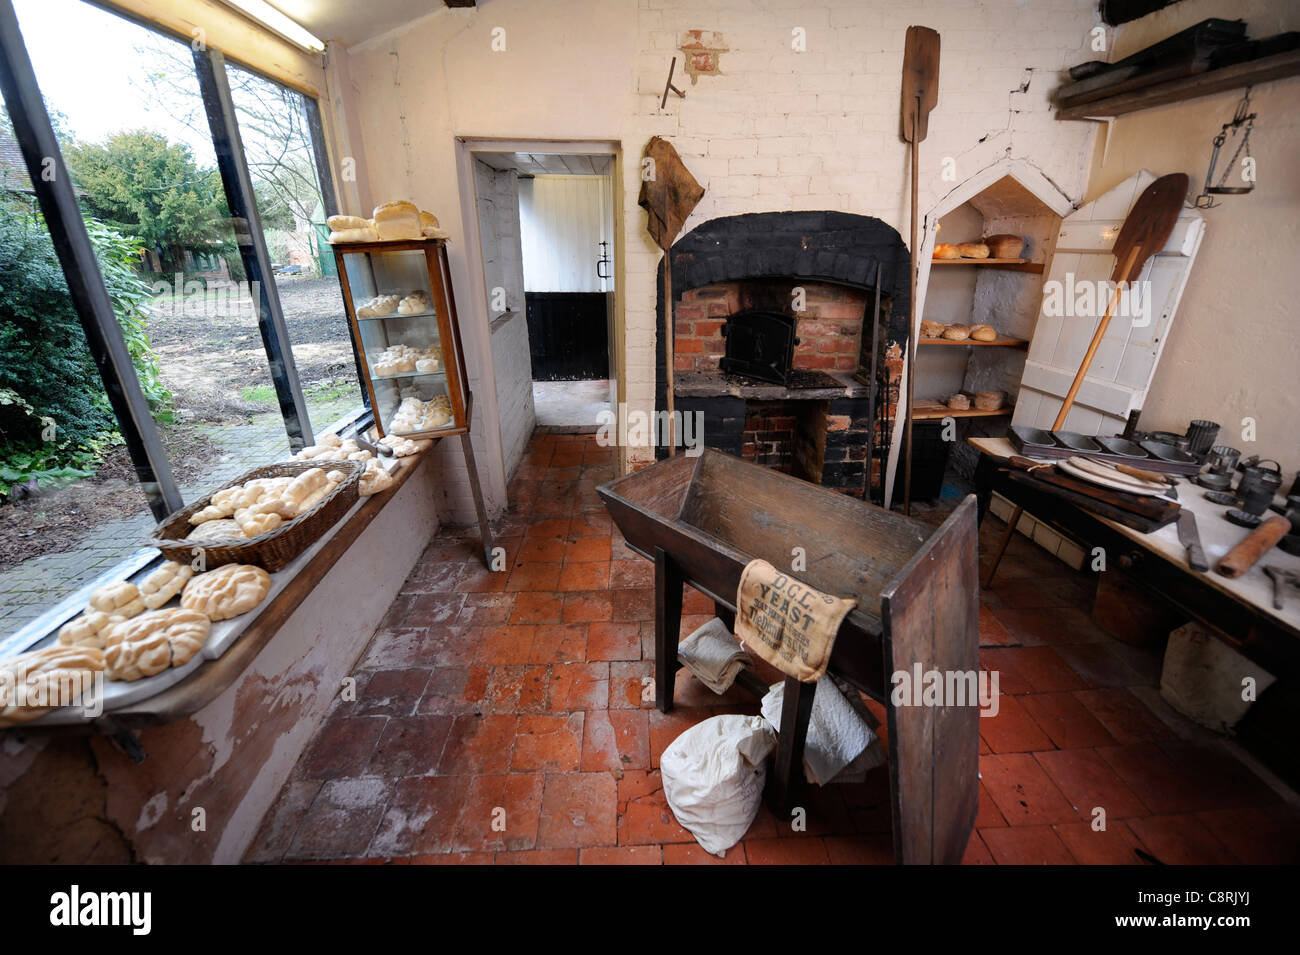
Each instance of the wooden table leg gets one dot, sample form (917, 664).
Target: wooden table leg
(1002, 545)
(668, 627)
(485, 532)
(726, 615)
(787, 770)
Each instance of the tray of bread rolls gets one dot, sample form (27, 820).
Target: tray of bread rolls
(265, 517)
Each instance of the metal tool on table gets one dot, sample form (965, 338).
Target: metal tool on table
(1258, 486)
(1145, 231)
(920, 94)
(1190, 538)
(1281, 578)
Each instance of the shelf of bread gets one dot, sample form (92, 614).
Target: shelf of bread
(395, 315)
(999, 342)
(402, 375)
(1012, 265)
(937, 411)
(389, 222)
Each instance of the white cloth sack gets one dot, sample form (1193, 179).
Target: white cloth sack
(837, 734)
(713, 655)
(713, 777)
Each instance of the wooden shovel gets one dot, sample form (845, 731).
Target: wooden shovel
(920, 94)
(1145, 231)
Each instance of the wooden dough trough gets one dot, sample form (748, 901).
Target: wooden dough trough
(703, 519)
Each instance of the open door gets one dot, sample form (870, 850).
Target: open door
(1074, 297)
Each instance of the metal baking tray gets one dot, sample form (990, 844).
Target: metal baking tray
(1035, 442)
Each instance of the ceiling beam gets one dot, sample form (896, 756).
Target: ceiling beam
(459, 3)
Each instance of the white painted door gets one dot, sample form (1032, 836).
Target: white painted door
(562, 221)
(1126, 359)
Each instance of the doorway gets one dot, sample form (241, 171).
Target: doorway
(547, 237)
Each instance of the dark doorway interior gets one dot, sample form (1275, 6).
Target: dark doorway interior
(567, 335)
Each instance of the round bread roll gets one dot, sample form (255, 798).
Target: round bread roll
(959, 402)
(956, 332)
(988, 400)
(945, 250)
(973, 250)
(931, 329)
(983, 333)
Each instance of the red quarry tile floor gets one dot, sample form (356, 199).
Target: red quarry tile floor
(503, 717)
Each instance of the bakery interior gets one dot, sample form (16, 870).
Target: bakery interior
(407, 409)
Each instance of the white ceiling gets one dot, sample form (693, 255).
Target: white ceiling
(352, 21)
(542, 164)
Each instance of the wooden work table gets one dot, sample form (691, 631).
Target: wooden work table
(1240, 609)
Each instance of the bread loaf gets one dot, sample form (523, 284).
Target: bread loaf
(959, 402)
(224, 529)
(988, 400)
(338, 223)
(931, 329)
(117, 600)
(973, 250)
(153, 642)
(397, 220)
(226, 592)
(86, 630)
(49, 678)
(165, 583)
(956, 332)
(367, 234)
(983, 333)
(429, 226)
(945, 250)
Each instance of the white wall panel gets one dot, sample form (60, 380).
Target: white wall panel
(562, 222)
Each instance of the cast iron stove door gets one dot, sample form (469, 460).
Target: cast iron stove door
(759, 345)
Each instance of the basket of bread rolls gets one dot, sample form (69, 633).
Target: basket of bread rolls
(265, 517)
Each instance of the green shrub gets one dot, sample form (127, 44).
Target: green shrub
(56, 414)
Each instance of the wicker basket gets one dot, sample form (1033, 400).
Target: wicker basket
(276, 548)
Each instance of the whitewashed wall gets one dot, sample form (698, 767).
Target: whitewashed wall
(777, 130)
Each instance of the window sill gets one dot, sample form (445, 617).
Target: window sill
(213, 677)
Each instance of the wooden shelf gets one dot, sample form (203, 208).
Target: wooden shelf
(1011, 265)
(996, 343)
(933, 411)
(1239, 75)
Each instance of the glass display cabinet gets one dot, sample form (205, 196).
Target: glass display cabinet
(403, 319)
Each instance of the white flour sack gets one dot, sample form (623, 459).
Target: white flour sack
(713, 777)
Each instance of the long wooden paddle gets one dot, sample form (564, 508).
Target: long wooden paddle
(1145, 231)
(920, 94)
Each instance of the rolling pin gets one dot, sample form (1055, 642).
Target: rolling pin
(1254, 546)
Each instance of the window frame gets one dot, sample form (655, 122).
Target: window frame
(57, 201)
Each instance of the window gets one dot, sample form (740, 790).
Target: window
(274, 126)
(138, 144)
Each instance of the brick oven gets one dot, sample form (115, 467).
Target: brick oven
(772, 340)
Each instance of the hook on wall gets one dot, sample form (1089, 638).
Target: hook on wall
(668, 87)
